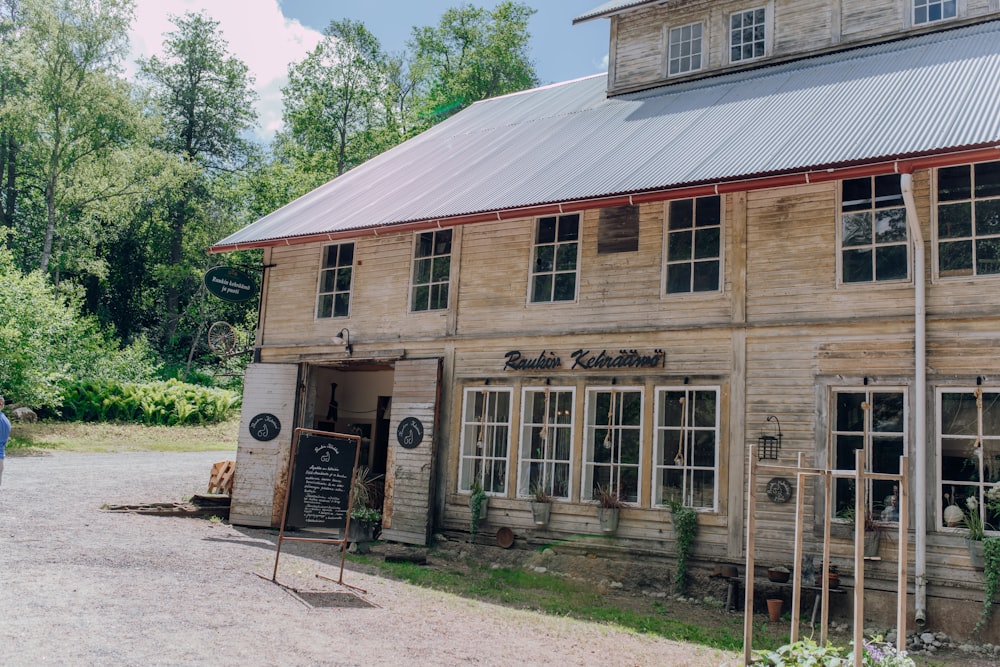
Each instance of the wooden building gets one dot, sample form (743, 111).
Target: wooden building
(767, 215)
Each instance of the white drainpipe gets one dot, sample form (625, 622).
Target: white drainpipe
(920, 418)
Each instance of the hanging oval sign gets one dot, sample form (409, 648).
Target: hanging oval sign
(410, 432)
(230, 284)
(264, 427)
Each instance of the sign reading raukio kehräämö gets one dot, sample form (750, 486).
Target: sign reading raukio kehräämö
(230, 284)
(584, 360)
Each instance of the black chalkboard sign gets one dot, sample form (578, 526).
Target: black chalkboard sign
(320, 491)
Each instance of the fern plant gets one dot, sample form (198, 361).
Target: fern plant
(991, 570)
(685, 529)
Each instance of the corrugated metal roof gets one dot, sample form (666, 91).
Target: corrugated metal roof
(611, 8)
(569, 142)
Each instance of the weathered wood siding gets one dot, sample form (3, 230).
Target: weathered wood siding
(798, 27)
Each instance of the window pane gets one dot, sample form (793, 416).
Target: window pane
(890, 225)
(678, 278)
(341, 305)
(566, 257)
(850, 416)
(888, 191)
(442, 268)
(425, 244)
(546, 230)
(346, 254)
(568, 227)
(542, 290)
(343, 279)
(325, 308)
(706, 276)
(439, 296)
(955, 258)
(988, 256)
(708, 211)
(955, 220)
(954, 183)
(988, 179)
(706, 243)
(857, 266)
(891, 263)
(420, 298)
(422, 271)
(679, 246)
(988, 217)
(857, 229)
(565, 287)
(544, 258)
(681, 214)
(326, 281)
(856, 194)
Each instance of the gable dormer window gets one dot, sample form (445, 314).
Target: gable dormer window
(684, 49)
(930, 11)
(748, 34)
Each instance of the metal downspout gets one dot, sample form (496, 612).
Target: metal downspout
(920, 416)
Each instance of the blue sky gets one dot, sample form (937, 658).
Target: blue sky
(269, 34)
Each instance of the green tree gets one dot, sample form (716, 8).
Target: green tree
(205, 98)
(471, 55)
(332, 98)
(75, 111)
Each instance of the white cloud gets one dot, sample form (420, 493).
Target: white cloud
(256, 31)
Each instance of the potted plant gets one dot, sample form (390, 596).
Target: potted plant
(972, 520)
(873, 530)
(541, 504)
(609, 507)
(685, 521)
(478, 503)
(366, 516)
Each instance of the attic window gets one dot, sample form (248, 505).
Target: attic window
(618, 230)
(931, 11)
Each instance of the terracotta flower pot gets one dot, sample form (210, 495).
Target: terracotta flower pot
(774, 606)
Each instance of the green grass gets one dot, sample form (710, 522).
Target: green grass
(28, 439)
(558, 596)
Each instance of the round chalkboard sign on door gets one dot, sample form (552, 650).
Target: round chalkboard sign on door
(264, 427)
(410, 432)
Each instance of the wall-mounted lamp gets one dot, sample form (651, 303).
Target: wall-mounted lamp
(343, 337)
(768, 445)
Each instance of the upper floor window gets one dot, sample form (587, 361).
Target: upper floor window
(694, 245)
(684, 49)
(555, 258)
(968, 220)
(929, 11)
(546, 441)
(335, 277)
(969, 447)
(486, 422)
(873, 237)
(613, 443)
(873, 420)
(747, 34)
(431, 270)
(686, 463)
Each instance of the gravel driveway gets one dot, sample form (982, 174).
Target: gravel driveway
(82, 586)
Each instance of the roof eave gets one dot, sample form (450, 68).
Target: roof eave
(820, 174)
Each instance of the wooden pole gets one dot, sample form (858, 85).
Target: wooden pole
(800, 504)
(824, 574)
(860, 513)
(748, 586)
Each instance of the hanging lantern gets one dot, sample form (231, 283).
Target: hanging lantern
(768, 445)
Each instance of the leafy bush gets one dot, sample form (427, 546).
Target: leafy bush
(46, 342)
(875, 653)
(167, 403)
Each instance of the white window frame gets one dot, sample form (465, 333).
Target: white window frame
(669, 41)
(542, 438)
(766, 24)
(477, 432)
(683, 448)
(554, 271)
(692, 260)
(974, 237)
(597, 434)
(973, 435)
(876, 490)
(927, 6)
(432, 259)
(324, 269)
(874, 211)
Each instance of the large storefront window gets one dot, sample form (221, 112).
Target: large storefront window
(613, 442)
(486, 439)
(685, 468)
(546, 441)
(876, 421)
(969, 447)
